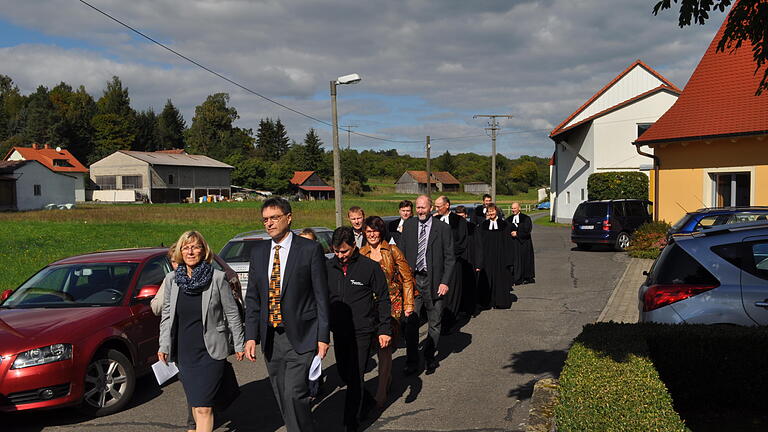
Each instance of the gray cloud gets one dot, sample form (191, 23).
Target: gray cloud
(538, 60)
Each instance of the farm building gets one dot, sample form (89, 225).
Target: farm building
(30, 185)
(478, 188)
(415, 182)
(57, 160)
(309, 185)
(169, 176)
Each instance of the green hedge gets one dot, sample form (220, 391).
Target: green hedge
(653, 377)
(617, 185)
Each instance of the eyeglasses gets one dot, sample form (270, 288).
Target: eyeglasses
(190, 248)
(273, 218)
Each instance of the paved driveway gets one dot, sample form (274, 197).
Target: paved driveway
(484, 382)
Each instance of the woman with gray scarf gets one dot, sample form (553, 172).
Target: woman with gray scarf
(199, 315)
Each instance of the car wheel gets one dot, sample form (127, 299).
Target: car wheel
(584, 246)
(109, 383)
(622, 242)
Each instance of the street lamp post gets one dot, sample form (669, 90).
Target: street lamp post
(346, 79)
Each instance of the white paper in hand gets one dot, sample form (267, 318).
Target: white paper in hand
(164, 372)
(315, 369)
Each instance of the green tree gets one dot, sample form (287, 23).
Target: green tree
(147, 136)
(42, 124)
(113, 133)
(115, 100)
(170, 128)
(212, 133)
(277, 178)
(76, 109)
(445, 162)
(272, 141)
(249, 171)
(747, 21)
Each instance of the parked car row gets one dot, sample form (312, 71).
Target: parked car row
(80, 331)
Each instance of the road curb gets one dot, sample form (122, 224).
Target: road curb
(541, 415)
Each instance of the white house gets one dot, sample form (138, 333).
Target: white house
(597, 137)
(30, 185)
(55, 159)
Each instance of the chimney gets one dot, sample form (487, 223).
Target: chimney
(34, 146)
(46, 146)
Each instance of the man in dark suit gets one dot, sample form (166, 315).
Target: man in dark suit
(428, 248)
(287, 311)
(356, 217)
(395, 228)
(458, 225)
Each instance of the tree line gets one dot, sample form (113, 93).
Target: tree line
(92, 129)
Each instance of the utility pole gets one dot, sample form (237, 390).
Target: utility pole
(349, 133)
(336, 157)
(493, 126)
(429, 170)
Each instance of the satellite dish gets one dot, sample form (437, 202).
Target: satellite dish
(58, 149)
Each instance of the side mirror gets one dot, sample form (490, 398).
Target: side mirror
(5, 294)
(147, 292)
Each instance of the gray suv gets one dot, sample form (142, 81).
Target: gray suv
(717, 276)
(237, 252)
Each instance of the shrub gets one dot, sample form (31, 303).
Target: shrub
(617, 185)
(648, 240)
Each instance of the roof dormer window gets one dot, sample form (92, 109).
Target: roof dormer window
(62, 163)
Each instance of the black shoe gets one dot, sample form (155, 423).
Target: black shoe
(409, 370)
(431, 366)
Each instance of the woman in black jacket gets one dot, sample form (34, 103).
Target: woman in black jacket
(360, 310)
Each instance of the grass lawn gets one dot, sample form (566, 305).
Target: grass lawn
(544, 221)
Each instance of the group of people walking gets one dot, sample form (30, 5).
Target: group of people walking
(371, 294)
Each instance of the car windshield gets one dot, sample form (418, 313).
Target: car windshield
(591, 210)
(238, 250)
(74, 285)
(683, 220)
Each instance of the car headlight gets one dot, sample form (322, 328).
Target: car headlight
(43, 355)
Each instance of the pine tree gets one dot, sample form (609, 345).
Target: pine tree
(147, 138)
(212, 133)
(42, 123)
(114, 123)
(170, 128)
(76, 109)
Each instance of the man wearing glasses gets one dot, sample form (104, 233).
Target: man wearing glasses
(287, 311)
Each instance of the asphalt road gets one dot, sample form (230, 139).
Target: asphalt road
(484, 382)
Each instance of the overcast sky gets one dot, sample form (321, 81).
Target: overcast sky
(427, 66)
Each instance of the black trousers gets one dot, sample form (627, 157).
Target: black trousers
(352, 351)
(288, 371)
(434, 312)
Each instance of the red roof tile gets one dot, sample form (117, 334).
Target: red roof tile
(299, 177)
(437, 176)
(47, 156)
(718, 100)
(670, 87)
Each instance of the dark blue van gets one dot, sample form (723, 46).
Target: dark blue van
(608, 222)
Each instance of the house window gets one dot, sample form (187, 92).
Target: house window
(170, 179)
(568, 197)
(642, 127)
(106, 182)
(62, 163)
(131, 182)
(730, 189)
(38, 190)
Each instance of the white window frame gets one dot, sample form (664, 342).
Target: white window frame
(709, 188)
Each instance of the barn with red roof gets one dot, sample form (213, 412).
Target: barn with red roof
(711, 147)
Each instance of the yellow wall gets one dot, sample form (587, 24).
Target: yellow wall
(684, 181)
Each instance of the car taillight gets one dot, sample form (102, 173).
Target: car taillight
(607, 225)
(657, 296)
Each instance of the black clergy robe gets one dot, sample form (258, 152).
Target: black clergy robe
(452, 300)
(494, 258)
(522, 246)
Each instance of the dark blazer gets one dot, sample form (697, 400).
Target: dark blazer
(440, 257)
(303, 298)
(392, 232)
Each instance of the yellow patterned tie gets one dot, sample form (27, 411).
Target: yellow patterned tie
(275, 316)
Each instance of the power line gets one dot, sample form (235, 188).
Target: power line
(268, 99)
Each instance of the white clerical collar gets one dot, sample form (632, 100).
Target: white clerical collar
(494, 225)
(516, 219)
(444, 217)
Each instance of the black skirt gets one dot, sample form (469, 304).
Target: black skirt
(200, 374)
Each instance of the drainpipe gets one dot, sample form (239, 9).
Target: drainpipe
(656, 165)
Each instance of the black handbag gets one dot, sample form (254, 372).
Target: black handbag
(229, 390)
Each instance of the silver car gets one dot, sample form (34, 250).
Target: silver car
(717, 276)
(237, 252)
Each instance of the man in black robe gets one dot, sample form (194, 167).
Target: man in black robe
(459, 230)
(468, 303)
(493, 244)
(480, 211)
(520, 230)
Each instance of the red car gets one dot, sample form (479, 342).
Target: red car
(80, 330)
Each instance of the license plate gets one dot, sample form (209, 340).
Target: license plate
(243, 277)
(587, 227)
